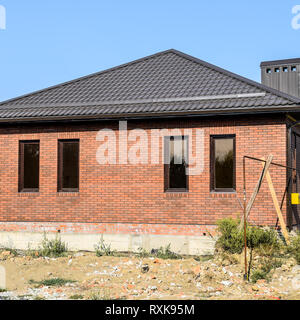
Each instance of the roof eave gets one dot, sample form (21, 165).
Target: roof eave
(241, 111)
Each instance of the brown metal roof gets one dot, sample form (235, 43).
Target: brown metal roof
(166, 82)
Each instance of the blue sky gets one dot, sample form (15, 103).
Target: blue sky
(48, 42)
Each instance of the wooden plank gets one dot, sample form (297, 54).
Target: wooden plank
(277, 207)
(266, 166)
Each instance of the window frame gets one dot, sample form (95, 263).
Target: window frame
(167, 188)
(60, 188)
(212, 163)
(21, 187)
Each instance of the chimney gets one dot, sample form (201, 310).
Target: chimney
(283, 75)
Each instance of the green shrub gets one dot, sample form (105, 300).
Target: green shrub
(259, 236)
(52, 248)
(232, 239)
(294, 248)
(102, 249)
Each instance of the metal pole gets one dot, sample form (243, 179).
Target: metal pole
(245, 223)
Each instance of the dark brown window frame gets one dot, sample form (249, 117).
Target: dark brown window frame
(167, 169)
(60, 165)
(212, 163)
(21, 167)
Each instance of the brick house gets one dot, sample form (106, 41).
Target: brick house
(51, 180)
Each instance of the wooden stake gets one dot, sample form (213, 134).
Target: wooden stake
(277, 207)
(266, 166)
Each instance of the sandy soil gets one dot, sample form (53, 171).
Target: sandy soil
(123, 278)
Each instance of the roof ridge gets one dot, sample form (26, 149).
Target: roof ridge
(238, 77)
(89, 76)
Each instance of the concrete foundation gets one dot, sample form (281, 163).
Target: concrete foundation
(187, 245)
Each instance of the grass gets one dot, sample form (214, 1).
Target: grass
(55, 282)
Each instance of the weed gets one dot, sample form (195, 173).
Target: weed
(55, 282)
(102, 296)
(165, 253)
(49, 248)
(39, 298)
(53, 248)
(264, 271)
(102, 249)
(142, 253)
(204, 258)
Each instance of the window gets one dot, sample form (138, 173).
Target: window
(277, 70)
(285, 69)
(268, 71)
(29, 166)
(176, 163)
(223, 163)
(294, 69)
(68, 165)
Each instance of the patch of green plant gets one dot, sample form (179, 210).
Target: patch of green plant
(294, 248)
(165, 253)
(232, 238)
(264, 271)
(2, 290)
(55, 282)
(39, 298)
(53, 248)
(76, 297)
(142, 253)
(203, 258)
(102, 249)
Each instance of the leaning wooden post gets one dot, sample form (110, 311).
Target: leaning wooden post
(256, 189)
(277, 208)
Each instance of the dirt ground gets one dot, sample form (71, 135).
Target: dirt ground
(131, 277)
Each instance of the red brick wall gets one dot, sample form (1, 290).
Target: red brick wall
(135, 194)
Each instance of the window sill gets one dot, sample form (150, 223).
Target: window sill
(68, 193)
(177, 191)
(28, 193)
(223, 194)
